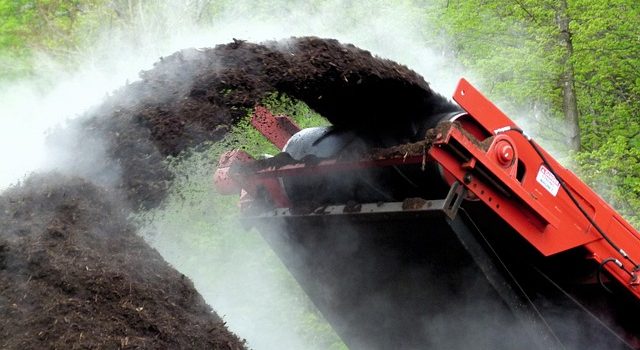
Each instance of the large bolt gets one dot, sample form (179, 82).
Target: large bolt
(505, 153)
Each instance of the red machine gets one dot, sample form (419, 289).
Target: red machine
(472, 237)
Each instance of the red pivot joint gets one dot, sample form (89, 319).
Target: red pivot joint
(504, 152)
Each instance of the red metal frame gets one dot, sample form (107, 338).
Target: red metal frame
(222, 180)
(278, 129)
(563, 225)
(504, 171)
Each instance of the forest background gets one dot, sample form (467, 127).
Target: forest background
(568, 69)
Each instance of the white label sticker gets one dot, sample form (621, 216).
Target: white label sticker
(547, 180)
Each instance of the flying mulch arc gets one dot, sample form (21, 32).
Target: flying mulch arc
(196, 95)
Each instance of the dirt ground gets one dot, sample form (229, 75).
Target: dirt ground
(73, 272)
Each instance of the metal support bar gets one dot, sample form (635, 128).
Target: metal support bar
(411, 207)
(454, 198)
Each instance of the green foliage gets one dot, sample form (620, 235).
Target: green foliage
(27, 27)
(509, 46)
(612, 170)
(304, 116)
(65, 30)
(607, 61)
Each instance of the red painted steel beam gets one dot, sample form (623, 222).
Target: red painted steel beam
(540, 193)
(278, 129)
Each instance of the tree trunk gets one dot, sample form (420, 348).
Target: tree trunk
(569, 101)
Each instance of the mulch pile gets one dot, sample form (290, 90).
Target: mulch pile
(73, 272)
(75, 275)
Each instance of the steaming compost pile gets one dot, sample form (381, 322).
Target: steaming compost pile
(73, 272)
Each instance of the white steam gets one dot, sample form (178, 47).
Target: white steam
(26, 113)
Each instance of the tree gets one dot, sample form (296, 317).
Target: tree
(523, 52)
(568, 79)
(29, 26)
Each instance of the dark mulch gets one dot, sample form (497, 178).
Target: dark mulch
(75, 275)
